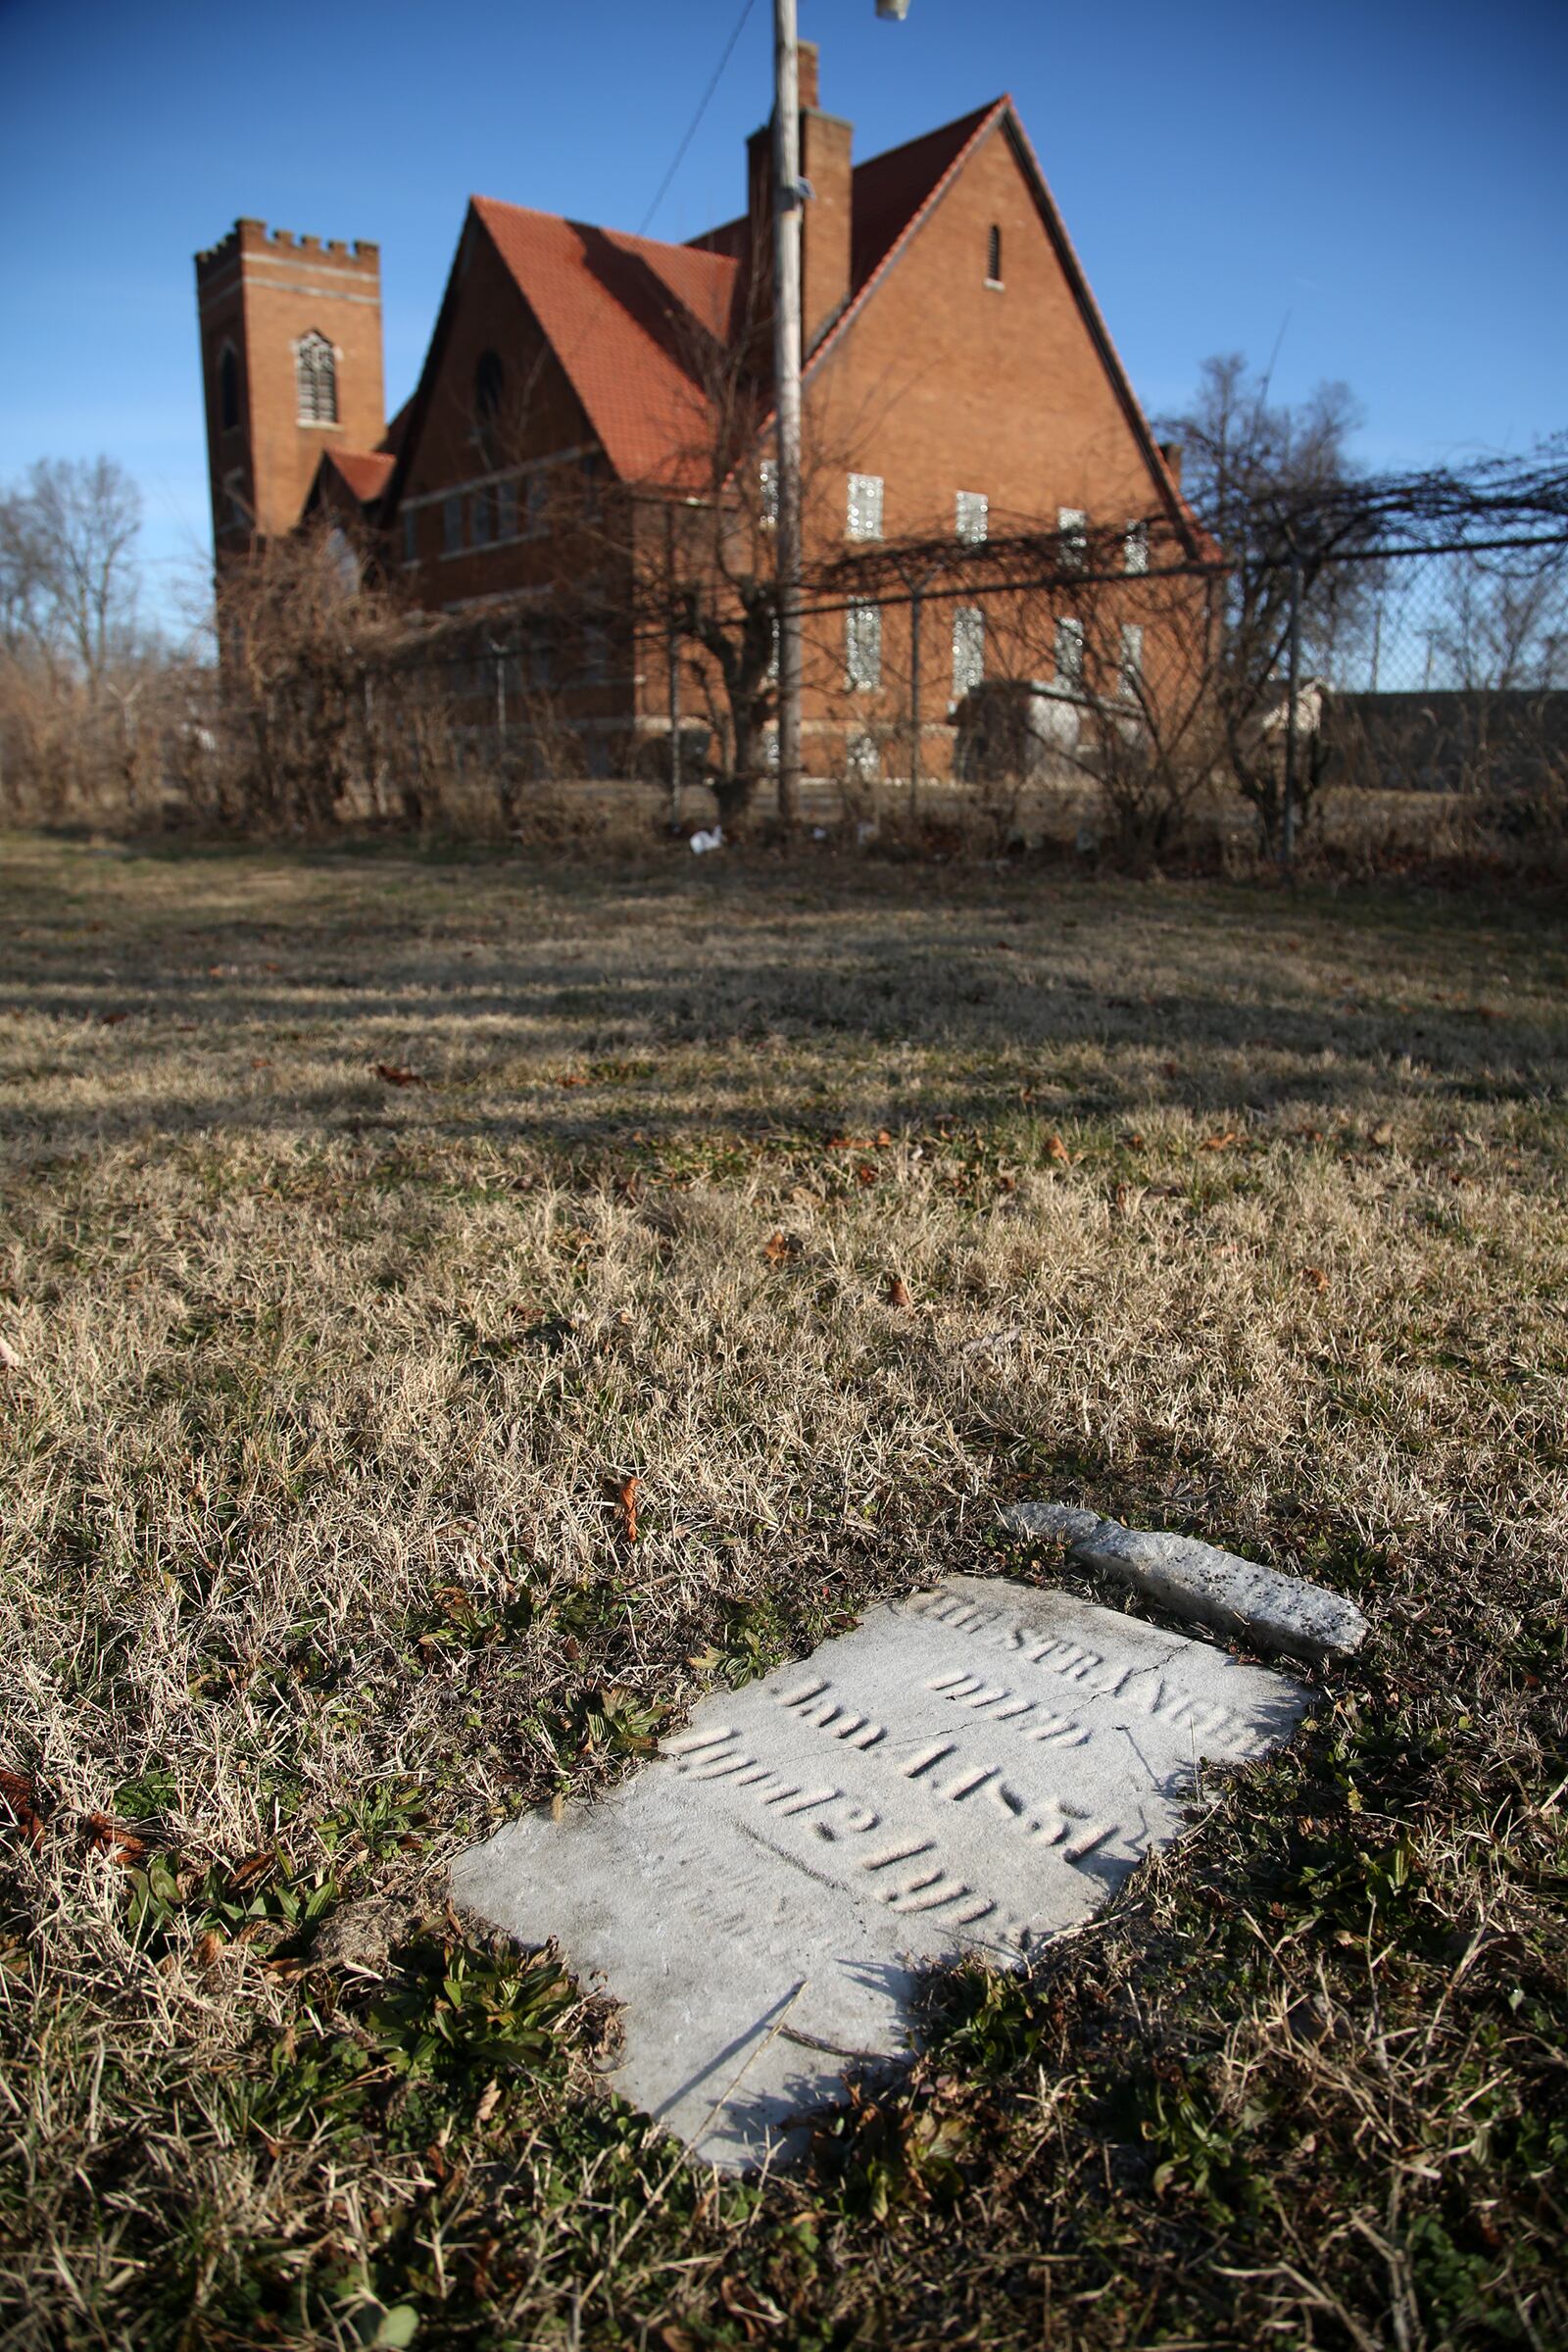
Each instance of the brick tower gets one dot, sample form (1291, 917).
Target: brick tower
(291, 365)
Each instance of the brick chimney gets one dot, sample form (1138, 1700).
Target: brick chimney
(825, 141)
(825, 222)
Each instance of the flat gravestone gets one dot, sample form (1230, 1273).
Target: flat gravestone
(969, 1772)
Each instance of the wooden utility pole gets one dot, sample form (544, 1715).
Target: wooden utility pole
(787, 200)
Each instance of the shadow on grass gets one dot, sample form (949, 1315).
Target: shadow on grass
(1087, 1001)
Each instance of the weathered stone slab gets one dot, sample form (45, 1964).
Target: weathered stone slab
(1192, 1579)
(970, 1770)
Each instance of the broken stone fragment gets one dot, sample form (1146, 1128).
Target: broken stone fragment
(1193, 1578)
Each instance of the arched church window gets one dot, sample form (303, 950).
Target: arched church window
(316, 379)
(227, 389)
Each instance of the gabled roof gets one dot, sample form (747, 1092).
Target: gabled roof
(629, 320)
(907, 184)
(889, 190)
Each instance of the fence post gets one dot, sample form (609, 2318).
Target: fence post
(916, 605)
(1292, 704)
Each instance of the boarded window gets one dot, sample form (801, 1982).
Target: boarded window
(862, 645)
(974, 511)
(865, 505)
(316, 379)
(968, 649)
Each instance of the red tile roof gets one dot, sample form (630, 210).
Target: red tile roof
(629, 320)
(365, 472)
(629, 317)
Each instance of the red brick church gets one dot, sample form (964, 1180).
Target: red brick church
(959, 380)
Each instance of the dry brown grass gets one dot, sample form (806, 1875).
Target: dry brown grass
(1216, 1208)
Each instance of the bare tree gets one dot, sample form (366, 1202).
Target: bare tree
(67, 579)
(1267, 481)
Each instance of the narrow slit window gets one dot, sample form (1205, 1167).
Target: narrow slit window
(1072, 525)
(767, 492)
(316, 379)
(994, 255)
(228, 389)
(1071, 655)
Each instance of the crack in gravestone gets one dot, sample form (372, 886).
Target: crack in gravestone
(969, 1771)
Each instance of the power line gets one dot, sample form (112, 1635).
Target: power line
(696, 121)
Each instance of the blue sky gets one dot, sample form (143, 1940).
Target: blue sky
(1376, 191)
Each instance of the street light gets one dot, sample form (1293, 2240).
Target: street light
(789, 194)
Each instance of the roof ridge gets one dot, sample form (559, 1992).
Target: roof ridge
(628, 236)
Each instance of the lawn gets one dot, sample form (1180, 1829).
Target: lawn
(369, 1220)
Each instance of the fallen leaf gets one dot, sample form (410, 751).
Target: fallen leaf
(1127, 1200)
(779, 1247)
(1315, 1278)
(1219, 1143)
(573, 1079)
(106, 1837)
(28, 1810)
(489, 2101)
(1134, 1143)
(883, 1139)
(249, 1869)
(1382, 1134)
(1055, 1149)
(897, 1291)
(111, 1020)
(626, 1505)
(865, 1173)
(395, 1074)
(208, 1949)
